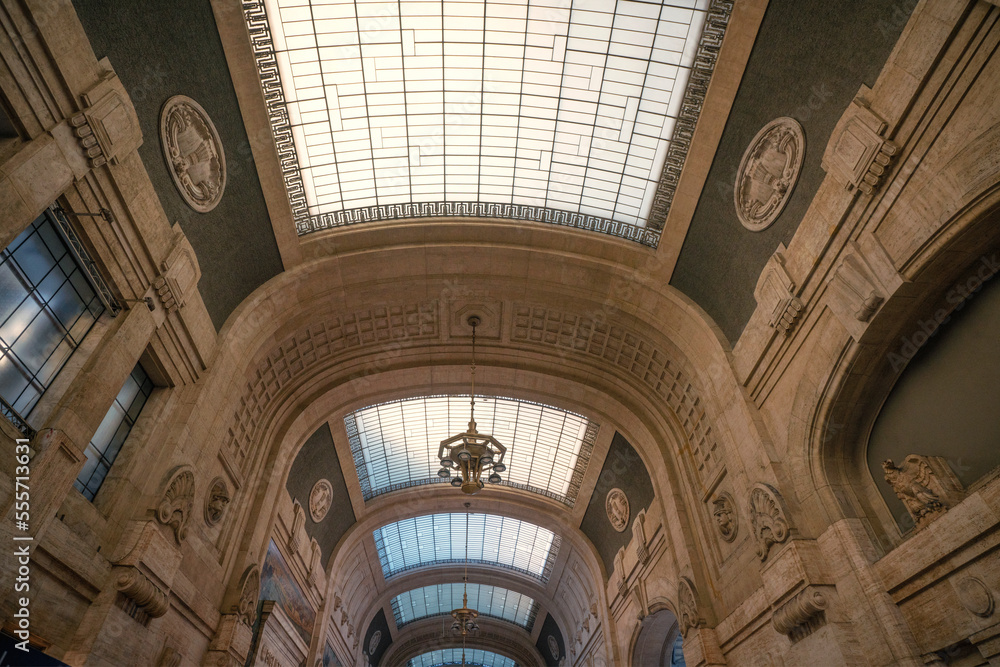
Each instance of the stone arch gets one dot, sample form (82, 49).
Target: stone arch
(653, 638)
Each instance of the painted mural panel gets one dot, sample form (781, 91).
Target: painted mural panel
(277, 583)
(330, 658)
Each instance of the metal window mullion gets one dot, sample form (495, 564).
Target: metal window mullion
(83, 259)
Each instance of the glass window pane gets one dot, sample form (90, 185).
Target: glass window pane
(12, 292)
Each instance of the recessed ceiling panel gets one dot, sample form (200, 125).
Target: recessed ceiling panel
(395, 445)
(551, 110)
(437, 539)
(443, 598)
(473, 657)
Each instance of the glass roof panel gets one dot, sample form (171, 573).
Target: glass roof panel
(501, 108)
(487, 600)
(473, 657)
(436, 539)
(395, 444)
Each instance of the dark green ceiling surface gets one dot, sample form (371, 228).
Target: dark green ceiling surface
(162, 49)
(808, 62)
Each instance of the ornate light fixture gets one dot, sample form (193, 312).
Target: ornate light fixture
(465, 618)
(471, 454)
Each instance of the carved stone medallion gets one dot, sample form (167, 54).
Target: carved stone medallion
(319, 500)
(216, 502)
(193, 151)
(724, 511)
(374, 642)
(768, 172)
(767, 518)
(975, 596)
(617, 508)
(553, 647)
(174, 509)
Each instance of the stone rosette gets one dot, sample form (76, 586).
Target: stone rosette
(193, 152)
(768, 172)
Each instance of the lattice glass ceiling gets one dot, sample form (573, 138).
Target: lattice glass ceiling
(487, 600)
(395, 444)
(562, 110)
(474, 657)
(436, 539)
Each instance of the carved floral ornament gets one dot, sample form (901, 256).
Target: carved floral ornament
(174, 509)
(246, 607)
(320, 499)
(768, 172)
(617, 508)
(193, 151)
(687, 603)
(767, 517)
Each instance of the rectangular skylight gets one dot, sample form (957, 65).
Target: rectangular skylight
(562, 111)
(487, 600)
(474, 657)
(395, 445)
(440, 539)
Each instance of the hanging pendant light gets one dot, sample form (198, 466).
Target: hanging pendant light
(465, 618)
(472, 454)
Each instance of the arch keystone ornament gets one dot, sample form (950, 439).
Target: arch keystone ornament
(768, 172)
(246, 606)
(617, 507)
(320, 499)
(217, 501)
(193, 151)
(724, 511)
(767, 517)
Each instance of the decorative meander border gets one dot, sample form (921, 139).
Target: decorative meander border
(677, 150)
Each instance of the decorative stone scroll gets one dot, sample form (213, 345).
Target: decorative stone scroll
(925, 484)
(801, 615)
(174, 509)
(320, 499)
(617, 507)
(767, 517)
(768, 172)
(775, 294)
(687, 606)
(138, 588)
(246, 607)
(193, 150)
(726, 518)
(216, 502)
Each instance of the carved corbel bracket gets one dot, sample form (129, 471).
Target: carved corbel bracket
(620, 570)
(108, 127)
(298, 522)
(775, 294)
(801, 615)
(138, 588)
(179, 273)
(858, 154)
(639, 535)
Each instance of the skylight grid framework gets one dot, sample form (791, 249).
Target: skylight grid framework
(474, 657)
(395, 444)
(503, 108)
(440, 539)
(440, 599)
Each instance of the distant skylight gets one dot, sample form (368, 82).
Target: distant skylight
(395, 445)
(436, 539)
(487, 600)
(562, 111)
(474, 657)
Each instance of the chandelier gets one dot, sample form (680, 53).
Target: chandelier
(472, 454)
(465, 618)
